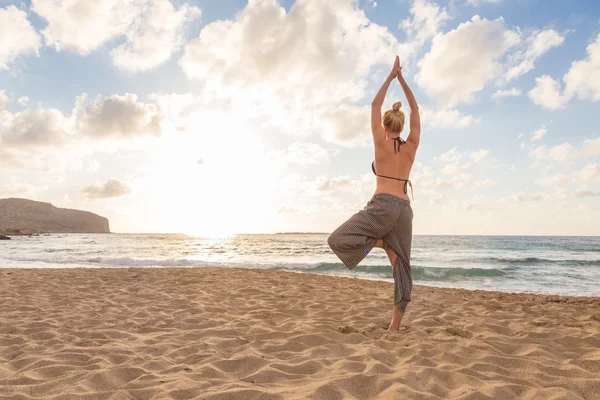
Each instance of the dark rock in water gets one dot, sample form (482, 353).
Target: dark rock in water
(2, 237)
(26, 217)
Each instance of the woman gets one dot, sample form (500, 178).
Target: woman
(386, 221)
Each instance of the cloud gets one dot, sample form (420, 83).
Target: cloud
(16, 188)
(582, 193)
(512, 92)
(446, 118)
(312, 55)
(523, 198)
(10, 160)
(153, 29)
(537, 45)
(303, 153)
(347, 125)
(154, 36)
(23, 100)
(118, 116)
(562, 152)
(590, 173)
(427, 20)
(479, 155)
(110, 189)
(17, 36)
(454, 172)
(439, 199)
(83, 25)
(546, 93)
(566, 151)
(591, 147)
(582, 81)
(35, 128)
(480, 2)
(339, 183)
(4, 99)
(539, 133)
(464, 59)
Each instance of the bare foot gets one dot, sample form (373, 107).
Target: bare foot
(397, 316)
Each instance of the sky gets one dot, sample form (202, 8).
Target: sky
(213, 118)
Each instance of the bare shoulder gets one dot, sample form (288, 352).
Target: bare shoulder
(411, 147)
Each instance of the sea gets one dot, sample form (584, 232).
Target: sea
(530, 264)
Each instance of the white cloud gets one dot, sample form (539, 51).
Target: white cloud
(110, 189)
(426, 22)
(479, 155)
(153, 29)
(555, 180)
(23, 100)
(582, 80)
(566, 151)
(83, 25)
(454, 171)
(347, 125)
(312, 56)
(591, 147)
(537, 44)
(590, 173)
(462, 61)
(154, 36)
(120, 116)
(303, 153)
(4, 100)
(480, 2)
(446, 118)
(439, 199)
(35, 128)
(562, 152)
(512, 92)
(16, 188)
(522, 197)
(17, 36)
(539, 133)
(546, 93)
(580, 192)
(10, 160)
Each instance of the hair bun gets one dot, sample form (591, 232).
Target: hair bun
(397, 105)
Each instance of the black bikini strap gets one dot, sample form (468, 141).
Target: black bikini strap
(397, 143)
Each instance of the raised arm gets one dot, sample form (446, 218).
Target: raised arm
(415, 120)
(380, 97)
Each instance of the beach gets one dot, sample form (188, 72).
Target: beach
(229, 333)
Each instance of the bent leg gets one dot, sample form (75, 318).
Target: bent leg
(356, 237)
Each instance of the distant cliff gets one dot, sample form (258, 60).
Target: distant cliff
(28, 216)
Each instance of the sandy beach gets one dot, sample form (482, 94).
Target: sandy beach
(251, 334)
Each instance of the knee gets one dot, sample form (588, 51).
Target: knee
(332, 240)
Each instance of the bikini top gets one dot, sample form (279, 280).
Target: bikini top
(397, 143)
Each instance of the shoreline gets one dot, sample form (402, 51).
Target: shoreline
(302, 272)
(216, 333)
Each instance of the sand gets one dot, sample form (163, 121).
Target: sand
(249, 334)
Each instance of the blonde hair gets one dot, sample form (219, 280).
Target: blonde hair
(394, 119)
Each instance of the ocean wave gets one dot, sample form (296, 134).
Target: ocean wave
(534, 261)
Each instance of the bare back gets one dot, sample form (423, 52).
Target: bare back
(394, 164)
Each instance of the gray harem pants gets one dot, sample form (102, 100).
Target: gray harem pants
(385, 217)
